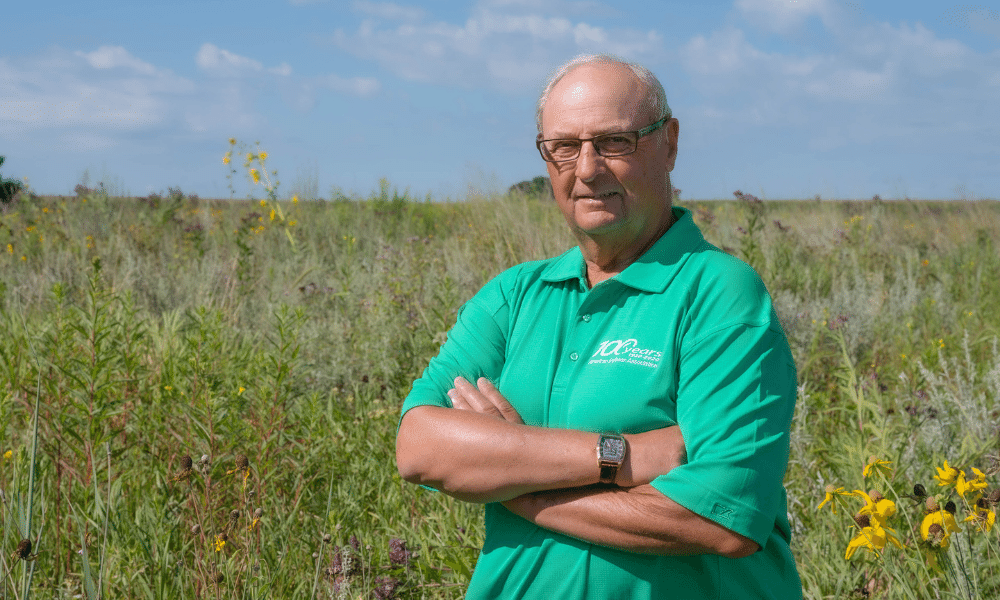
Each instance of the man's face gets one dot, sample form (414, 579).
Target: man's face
(622, 200)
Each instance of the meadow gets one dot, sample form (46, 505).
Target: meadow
(198, 398)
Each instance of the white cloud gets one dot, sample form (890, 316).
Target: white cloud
(110, 57)
(499, 49)
(219, 61)
(107, 88)
(783, 15)
(871, 82)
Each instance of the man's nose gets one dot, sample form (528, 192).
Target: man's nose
(589, 163)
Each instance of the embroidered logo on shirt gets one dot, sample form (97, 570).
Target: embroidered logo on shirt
(722, 514)
(625, 351)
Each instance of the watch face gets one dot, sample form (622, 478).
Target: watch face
(612, 449)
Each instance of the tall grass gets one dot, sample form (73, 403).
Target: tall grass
(218, 382)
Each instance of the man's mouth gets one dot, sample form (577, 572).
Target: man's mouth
(604, 196)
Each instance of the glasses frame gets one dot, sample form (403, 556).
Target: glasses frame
(639, 134)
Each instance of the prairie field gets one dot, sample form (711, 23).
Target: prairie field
(198, 398)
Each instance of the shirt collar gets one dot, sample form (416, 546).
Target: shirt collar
(655, 268)
(652, 271)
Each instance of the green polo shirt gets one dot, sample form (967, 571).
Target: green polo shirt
(686, 335)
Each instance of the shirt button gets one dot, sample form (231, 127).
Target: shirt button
(573, 356)
(586, 318)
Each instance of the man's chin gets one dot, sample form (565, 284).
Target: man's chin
(598, 223)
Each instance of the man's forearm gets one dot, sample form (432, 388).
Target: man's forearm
(638, 519)
(479, 458)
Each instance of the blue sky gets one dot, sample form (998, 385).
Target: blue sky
(783, 99)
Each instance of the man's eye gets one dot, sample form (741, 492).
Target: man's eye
(563, 145)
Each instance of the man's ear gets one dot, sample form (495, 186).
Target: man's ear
(673, 131)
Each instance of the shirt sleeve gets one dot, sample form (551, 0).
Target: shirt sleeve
(475, 348)
(736, 396)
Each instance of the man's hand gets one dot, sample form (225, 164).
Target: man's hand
(485, 399)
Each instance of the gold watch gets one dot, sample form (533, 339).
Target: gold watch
(611, 451)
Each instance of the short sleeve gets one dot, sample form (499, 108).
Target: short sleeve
(474, 348)
(736, 397)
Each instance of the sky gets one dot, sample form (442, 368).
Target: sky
(778, 98)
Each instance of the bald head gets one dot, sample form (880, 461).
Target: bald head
(647, 90)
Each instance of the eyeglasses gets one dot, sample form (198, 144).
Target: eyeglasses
(607, 144)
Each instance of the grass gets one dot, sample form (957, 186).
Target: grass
(163, 341)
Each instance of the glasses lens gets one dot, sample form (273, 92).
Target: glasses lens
(557, 150)
(615, 144)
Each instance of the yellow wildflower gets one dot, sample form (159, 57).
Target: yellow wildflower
(876, 465)
(232, 141)
(7, 455)
(946, 475)
(220, 542)
(944, 520)
(263, 155)
(249, 156)
(263, 202)
(983, 517)
(879, 508)
(272, 214)
(242, 389)
(255, 175)
(872, 538)
(832, 492)
(295, 199)
(10, 249)
(963, 487)
(225, 159)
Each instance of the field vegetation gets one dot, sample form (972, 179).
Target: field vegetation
(198, 398)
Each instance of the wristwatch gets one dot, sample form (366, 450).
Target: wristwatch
(611, 451)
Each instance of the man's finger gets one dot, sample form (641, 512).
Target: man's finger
(457, 401)
(507, 411)
(476, 400)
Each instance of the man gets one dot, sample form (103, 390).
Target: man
(603, 357)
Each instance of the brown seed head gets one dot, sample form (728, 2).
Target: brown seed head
(223, 537)
(327, 538)
(398, 554)
(950, 507)
(186, 462)
(242, 462)
(218, 577)
(875, 495)
(234, 515)
(919, 491)
(863, 521)
(258, 513)
(982, 504)
(23, 549)
(994, 497)
(935, 534)
(831, 489)
(931, 504)
(196, 529)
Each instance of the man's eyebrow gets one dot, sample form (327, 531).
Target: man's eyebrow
(602, 131)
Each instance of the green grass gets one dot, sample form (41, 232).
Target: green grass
(147, 330)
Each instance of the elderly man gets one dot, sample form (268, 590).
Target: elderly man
(628, 428)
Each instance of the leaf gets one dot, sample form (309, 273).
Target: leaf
(88, 580)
